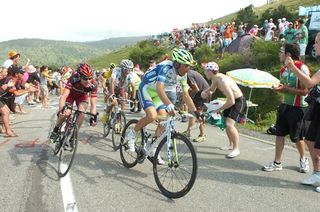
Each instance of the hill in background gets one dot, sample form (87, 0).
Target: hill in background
(291, 5)
(58, 53)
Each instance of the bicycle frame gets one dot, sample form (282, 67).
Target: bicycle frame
(169, 129)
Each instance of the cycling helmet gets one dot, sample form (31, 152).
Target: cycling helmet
(211, 66)
(126, 64)
(85, 70)
(183, 57)
(112, 65)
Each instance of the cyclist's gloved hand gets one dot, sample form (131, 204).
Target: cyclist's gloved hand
(170, 108)
(198, 115)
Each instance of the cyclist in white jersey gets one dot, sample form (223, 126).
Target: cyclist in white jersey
(120, 80)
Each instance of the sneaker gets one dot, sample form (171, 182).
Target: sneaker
(312, 179)
(318, 189)
(233, 153)
(104, 118)
(226, 147)
(186, 133)
(160, 161)
(131, 136)
(117, 128)
(69, 144)
(200, 138)
(304, 165)
(272, 166)
(53, 137)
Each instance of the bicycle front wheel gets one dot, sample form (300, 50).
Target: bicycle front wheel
(128, 158)
(118, 126)
(107, 126)
(59, 140)
(177, 175)
(68, 150)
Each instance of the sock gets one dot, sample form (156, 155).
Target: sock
(278, 163)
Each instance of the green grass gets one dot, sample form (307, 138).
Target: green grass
(291, 5)
(112, 57)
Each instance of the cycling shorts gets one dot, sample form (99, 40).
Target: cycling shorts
(149, 98)
(77, 98)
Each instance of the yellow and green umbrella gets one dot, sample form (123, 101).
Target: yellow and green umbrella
(253, 78)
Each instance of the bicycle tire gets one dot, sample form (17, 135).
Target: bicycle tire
(66, 157)
(107, 127)
(188, 172)
(124, 149)
(58, 143)
(116, 132)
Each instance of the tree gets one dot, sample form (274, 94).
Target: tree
(247, 15)
(278, 13)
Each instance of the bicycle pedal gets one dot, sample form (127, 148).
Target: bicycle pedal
(141, 159)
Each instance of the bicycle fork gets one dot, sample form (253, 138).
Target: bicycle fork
(172, 154)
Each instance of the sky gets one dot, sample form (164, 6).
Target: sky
(89, 20)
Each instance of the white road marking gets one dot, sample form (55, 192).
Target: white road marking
(69, 201)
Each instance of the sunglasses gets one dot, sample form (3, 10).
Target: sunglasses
(86, 78)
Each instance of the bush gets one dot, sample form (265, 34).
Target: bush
(264, 54)
(204, 54)
(144, 52)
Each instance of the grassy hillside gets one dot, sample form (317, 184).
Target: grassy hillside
(113, 57)
(115, 43)
(58, 53)
(292, 6)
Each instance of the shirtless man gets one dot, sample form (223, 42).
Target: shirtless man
(234, 107)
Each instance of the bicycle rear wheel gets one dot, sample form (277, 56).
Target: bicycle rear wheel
(68, 150)
(118, 126)
(128, 158)
(176, 177)
(107, 126)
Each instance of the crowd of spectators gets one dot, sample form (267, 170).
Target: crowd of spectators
(218, 36)
(27, 83)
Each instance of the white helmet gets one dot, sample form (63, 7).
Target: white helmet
(211, 66)
(126, 64)
(284, 19)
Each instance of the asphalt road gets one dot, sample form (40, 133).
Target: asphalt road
(98, 181)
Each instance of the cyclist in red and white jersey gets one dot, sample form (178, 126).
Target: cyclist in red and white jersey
(79, 87)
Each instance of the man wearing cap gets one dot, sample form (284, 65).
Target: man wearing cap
(290, 34)
(10, 88)
(13, 59)
(233, 109)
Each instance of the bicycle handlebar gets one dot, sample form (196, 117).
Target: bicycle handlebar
(79, 111)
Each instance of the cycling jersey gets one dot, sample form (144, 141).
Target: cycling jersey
(119, 81)
(289, 78)
(79, 93)
(107, 74)
(165, 73)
